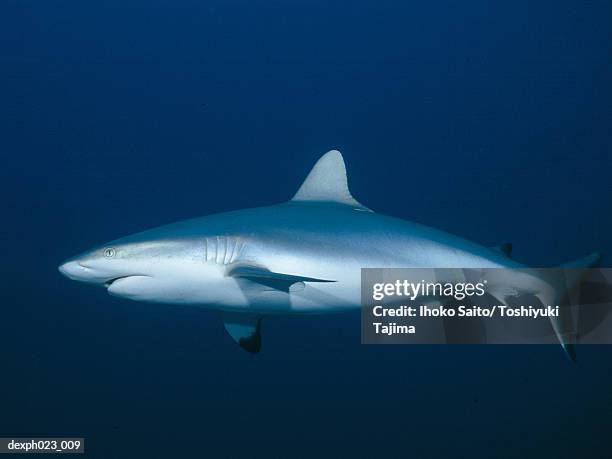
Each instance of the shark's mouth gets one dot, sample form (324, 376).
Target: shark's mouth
(109, 282)
(134, 287)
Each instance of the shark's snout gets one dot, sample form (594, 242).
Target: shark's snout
(100, 267)
(75, 270)
(72, 269)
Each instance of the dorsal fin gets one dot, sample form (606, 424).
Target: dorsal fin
(327, 182)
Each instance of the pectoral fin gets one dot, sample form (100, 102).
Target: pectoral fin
(245, 329)
(265, 277)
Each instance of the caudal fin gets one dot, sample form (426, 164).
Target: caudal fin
(565, 325)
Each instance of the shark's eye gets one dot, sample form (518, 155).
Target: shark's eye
(109, 252)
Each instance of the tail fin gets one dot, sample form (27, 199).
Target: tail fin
(565, 326)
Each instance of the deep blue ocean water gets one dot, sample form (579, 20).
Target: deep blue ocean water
(491, 120)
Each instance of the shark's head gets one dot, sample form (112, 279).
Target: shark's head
(110, 263)
(159, 269)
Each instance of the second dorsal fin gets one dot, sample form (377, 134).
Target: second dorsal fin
(505, 248)
(327, 182)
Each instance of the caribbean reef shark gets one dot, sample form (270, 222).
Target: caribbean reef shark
(297, 257)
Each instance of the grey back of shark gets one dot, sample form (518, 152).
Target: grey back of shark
(302, 256)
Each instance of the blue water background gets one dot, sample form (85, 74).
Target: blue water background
(491, 120)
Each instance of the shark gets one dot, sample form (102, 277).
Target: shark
(303, 256)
